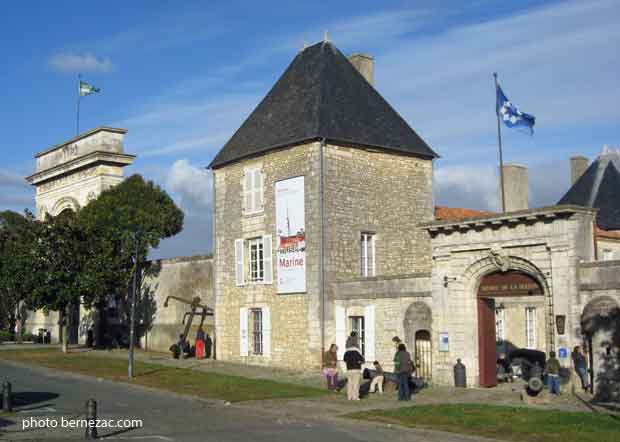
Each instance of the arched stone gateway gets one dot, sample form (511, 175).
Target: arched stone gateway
(499, 283)
(600, 324)
(417, 326)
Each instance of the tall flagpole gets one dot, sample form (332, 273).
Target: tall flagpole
(77, 123)
(499, 143)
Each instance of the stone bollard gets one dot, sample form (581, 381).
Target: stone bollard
(7, 404)
(91, 418)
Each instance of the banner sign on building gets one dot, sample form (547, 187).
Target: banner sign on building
(291, 230)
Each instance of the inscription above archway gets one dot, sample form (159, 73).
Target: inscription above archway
(510, 283)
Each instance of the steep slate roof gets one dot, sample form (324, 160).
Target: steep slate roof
(321, 95)
(599, 187)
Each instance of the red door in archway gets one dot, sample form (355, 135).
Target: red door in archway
(487, 356)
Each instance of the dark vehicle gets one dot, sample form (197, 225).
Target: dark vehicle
(530, 363)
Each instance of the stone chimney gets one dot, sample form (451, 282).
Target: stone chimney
(365, 65)
(515, 187)
(578, 166)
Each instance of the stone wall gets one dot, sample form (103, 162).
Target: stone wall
(356, 184)
(295, 329)
(185, 277)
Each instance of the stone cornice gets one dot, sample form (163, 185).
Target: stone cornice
(88, 160)
(510, 218)
(82, 136)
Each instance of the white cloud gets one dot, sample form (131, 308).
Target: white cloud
(191, 188)
(473, 187)
(192, 184)
(80, 63)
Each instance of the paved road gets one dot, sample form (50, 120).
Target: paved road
(41, 394)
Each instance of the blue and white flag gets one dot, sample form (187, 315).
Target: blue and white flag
(511, 115)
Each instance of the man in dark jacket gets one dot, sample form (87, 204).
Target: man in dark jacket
(403, 369)
(354, 360)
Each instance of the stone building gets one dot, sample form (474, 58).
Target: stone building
(326, 136)
(324, 225)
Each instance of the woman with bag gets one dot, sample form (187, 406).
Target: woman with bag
(330, 367)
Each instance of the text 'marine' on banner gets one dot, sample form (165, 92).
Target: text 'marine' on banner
(291, 230)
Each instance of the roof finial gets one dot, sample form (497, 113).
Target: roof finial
(304, 46)
(326, 36)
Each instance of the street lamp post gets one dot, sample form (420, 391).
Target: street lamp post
(132, 321)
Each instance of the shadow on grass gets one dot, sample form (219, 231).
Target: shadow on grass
(5, 422)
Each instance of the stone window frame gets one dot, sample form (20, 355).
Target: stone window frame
(361, 331)
(253, 193)
(364, 268)
(256, 316)
(530, 327)
(607, 254)
(256, 259)
(500, 324)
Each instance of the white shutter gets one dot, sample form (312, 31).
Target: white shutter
(258, 189)
(247, 191)
(369, 333)
(339, 314)
(243, 331)
(266, 332)
(239, 265)
(268, 268)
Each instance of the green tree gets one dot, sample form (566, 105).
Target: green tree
(60, 250)
(18, 277)
(131, 217)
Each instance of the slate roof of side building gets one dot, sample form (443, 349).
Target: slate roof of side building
(599, 188)
(322, 95)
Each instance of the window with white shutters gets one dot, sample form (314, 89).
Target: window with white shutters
(367, 243)
(253, 191)
(257, 261)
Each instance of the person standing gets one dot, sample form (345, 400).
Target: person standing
(200, 343)
(208, 346)
(354, 360)
(377, 381)
(581, 367)
(403, 369)
(330, 367)
(552, 370)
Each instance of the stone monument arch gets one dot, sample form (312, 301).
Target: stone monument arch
(71, 174)
(67, 177)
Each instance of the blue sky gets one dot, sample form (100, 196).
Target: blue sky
(182, 76)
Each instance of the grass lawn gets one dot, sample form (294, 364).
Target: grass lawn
(504, 423)
(178, 380)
